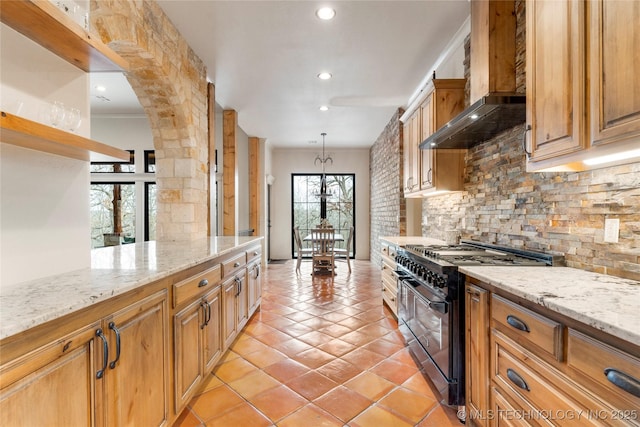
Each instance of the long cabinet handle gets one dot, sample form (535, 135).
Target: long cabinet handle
(517, 379)
(238, 284)
(112, 326)
(203, 304)
(105, 353)
(517, 323)
(257, 271)
(624, 381)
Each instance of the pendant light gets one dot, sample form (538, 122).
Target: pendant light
(324, 194)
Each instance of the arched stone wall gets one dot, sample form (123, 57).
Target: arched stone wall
(170, 82)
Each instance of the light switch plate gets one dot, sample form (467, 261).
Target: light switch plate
(611, 230)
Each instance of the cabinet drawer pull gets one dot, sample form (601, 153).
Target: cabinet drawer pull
(255, 253)
(105, 353)
(203, 283)
(624, 381)
(236, 264)
(517, 379)
(517, 323)
(112, 326)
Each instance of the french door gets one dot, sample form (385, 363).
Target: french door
(308, 207)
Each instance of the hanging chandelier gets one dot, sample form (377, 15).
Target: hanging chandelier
(324, 193)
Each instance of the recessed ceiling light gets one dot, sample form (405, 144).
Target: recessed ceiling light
(325, 13)
(324, 108)
(474, 116)
(324, 76)
(101, 88)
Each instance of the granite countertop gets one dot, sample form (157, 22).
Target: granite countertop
(114, 271)
(607, 303)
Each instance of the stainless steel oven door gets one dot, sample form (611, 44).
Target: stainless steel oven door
(426, 315)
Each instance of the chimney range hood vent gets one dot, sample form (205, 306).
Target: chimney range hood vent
(483, 120)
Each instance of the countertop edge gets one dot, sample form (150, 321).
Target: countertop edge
(551, 297)
(12, 324)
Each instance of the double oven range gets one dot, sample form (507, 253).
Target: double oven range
(431, 304)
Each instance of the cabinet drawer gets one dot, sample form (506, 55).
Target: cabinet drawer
(389, 296)
(232, 264)
(602, 364)
(528, 328)
(527, 381)
(390, 282)
(188, 289)
(254, 253)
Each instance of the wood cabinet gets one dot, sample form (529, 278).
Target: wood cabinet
(389, 280)
(579, 106)
(614, 90)
(45, 24)
(113, 371)
(197, 328)
(134, 359)
(476, 352)
(427, 171)
(411, 136)
(66, 364)
(137, 380)
(254, 279)
(235, 313)
(254, 287)
(556, 89)
(537, 363)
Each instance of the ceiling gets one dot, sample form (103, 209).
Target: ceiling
(264, 57)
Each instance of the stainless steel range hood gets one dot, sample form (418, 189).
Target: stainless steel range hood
(483, 120)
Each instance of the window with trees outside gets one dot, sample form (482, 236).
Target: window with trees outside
(308, 208)
(122, 202)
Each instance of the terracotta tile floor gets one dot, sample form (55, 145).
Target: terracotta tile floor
(318, 354)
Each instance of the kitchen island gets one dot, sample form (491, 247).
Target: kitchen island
(129, 340)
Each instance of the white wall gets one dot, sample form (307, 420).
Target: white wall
(288, 161)
(44, 198)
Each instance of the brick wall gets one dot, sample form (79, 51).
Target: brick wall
(388, 213)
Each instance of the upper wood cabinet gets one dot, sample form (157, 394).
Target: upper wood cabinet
(411, 136)
(614, 90)
(555, 77)
(45, 24)
(582, 94)
(428, 171)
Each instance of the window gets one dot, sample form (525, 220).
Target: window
(114, 167)
(122, 202)
(308, 208)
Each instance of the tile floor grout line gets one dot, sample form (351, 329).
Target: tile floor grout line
(356, 306)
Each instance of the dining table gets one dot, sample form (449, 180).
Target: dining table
(337, 237)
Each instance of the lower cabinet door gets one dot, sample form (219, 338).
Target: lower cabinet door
(229, 325)
(211, 339)
(137, 378)
(188, 336)
(53, 385)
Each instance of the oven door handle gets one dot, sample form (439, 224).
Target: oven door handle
(439, 306)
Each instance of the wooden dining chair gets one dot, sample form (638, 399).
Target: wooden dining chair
(301, 252)
(341, 253)
(323, 241)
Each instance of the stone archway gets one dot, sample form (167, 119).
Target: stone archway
(170, 82)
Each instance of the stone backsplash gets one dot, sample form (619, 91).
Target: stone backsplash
(559, 212)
